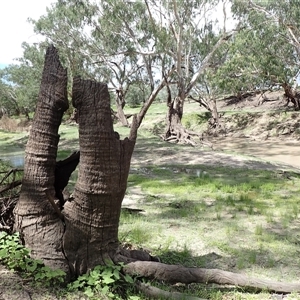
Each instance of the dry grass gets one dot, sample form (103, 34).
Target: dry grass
(13, 125)
(8, 124)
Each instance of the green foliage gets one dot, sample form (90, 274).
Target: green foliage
(16, 257)
(132, 46)
(193, 120)
(136, 96)
(20, 83)
(262, 53)
(107, 280)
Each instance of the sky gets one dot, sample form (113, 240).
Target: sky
(14, 28)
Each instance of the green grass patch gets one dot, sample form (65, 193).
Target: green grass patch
(246, 218)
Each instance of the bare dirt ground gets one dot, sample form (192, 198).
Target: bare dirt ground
(260, 132)
(240, 156)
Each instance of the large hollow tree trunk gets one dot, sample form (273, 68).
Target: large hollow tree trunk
(92, 218)
(39, 225)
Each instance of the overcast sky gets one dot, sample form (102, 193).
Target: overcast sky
(14, 28)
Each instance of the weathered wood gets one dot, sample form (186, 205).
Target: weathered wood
(92, 217)
(176, 273)
(35, 219)
(10, 186)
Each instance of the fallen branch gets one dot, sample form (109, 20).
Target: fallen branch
(14, 171)
(10, 186)
(175, 273)
(7, 205)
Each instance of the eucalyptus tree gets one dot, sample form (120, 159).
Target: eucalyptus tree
(264, 53)
(8, 99)
(20, 82)
(285, 14)
(85, 232)
(110, 41)
(141, 43)
(190, 36)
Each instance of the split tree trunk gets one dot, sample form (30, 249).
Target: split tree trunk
(35, 219)
(89, 234)
(92, 218)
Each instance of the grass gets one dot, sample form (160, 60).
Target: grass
(234, 219)
(196, 215)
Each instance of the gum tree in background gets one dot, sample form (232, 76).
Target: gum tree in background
(20, 82)
(112, 42)
(265, 52)
(139, 43)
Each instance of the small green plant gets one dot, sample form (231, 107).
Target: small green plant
(12, 254)
(107, 280)
(16, 257)
(258, 229)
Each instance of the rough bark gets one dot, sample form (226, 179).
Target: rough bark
(175, 131)
(39, 225)
(92, 218)
(176, 273)
(291, 95)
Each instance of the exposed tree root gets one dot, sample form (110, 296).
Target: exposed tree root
(140, 262)
(175, 273)
(181, 135)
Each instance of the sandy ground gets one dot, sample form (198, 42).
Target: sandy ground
(267, 155)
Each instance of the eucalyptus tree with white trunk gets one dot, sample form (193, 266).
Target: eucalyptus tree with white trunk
(191, 39)
(146, 43)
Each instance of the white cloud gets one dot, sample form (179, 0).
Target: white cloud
(14, 28)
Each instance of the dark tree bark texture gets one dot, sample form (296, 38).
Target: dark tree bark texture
(291, 95)
(92, 218)
(35, 219)
(175, 131)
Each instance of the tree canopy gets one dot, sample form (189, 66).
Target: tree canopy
(195, 46)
